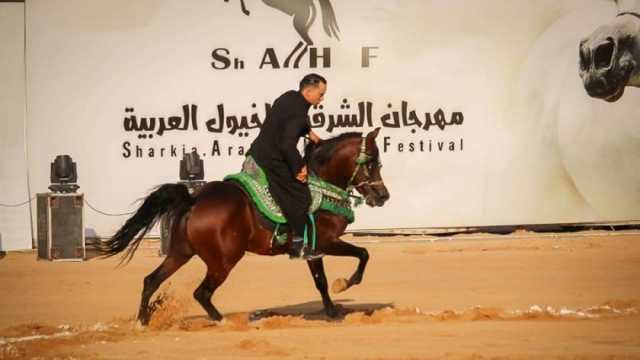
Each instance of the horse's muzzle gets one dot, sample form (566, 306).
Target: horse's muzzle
(378, 196)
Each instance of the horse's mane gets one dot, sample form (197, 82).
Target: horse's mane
(316, 155)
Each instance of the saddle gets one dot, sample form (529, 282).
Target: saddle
(324, 196)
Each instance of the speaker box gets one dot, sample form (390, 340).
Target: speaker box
(60, 227)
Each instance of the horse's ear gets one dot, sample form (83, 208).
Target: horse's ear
(374, 133)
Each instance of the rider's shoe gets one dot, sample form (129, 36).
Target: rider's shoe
(301, 252)
(296, 250)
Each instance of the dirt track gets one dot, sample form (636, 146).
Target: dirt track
(517, 297)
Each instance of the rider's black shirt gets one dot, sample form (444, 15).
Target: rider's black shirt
(275, 147)
(275, 152)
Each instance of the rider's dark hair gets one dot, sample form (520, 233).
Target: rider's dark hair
(311, 80)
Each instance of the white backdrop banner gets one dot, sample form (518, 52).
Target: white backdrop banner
(15, 232)
(485, 120)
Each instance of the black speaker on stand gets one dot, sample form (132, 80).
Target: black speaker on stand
(60, 215)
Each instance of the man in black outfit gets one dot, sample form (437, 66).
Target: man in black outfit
(275, 151)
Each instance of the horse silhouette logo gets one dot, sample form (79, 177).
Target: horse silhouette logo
(304, 15)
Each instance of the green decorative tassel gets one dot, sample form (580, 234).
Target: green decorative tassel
(313, 231)
(280, 239)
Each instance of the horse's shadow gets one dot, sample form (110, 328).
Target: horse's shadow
(312, 310)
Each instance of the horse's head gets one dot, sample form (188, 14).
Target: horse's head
(609, 56)
(351, 160)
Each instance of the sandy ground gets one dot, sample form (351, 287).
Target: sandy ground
(523, 296)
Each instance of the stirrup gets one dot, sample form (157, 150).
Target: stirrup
(304, 254)
(309, 255)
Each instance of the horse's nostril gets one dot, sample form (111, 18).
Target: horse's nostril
(584, 58)
(603, 55)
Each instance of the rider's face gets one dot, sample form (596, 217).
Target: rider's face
(315, 94)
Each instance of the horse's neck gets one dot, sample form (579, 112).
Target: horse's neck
(333, 171)
(332, 176)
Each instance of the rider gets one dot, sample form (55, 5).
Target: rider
(275, 151)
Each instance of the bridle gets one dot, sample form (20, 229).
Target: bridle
(629, 13)
(361, 166)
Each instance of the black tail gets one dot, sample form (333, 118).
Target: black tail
(172, 200)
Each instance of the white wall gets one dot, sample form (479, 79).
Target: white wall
(89, 61)
(14, 221)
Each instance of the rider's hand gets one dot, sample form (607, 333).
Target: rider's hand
(302, 175)
(314, 137)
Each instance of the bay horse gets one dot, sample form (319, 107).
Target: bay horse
(610, 56)
(219, 223)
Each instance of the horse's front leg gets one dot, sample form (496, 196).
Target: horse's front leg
(317, 271)
(341, 248)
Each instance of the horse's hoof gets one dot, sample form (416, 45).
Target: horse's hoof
(332, 312)
(140, 325)
(339, 285)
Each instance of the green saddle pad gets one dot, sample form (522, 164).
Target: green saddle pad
(324, 196)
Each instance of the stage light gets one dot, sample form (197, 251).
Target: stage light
(64, 175)
(191, 167)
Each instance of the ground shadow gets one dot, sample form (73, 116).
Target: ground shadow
(312, 310)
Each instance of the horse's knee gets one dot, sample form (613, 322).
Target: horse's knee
(150, 284)
(364, 255)
(202, 293)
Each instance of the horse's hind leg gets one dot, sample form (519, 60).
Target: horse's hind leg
(317, 271)
(217, 273)
(203, 295)
(152, 282)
